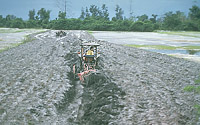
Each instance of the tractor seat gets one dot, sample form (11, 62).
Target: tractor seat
(89, 58)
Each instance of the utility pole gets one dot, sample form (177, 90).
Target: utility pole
(131, 9)
(65, 6)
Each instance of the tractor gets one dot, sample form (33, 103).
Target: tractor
(88, 61)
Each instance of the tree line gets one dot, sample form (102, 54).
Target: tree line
(97, 18)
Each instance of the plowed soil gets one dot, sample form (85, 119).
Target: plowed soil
(131, 87)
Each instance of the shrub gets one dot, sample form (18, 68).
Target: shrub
(137, 26)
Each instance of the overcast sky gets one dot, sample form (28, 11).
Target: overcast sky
(20, 8)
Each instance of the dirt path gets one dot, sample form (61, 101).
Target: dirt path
(132, 87)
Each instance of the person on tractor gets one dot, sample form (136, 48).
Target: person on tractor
(89, 56)
(91, 51)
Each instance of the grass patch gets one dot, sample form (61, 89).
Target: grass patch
(41, 32)
(89, 31)
(197, 107)
(5, 49)
(16, 30)
(153, 46)
(181, 33)
(189, 88)
(12, 45)
(197, 81)
(27, 38)
(191, 47)
(11, 30)
(195, 88)
(163, 47)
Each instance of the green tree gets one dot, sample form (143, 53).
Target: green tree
(173, 21)
(31, 24)
(119, 13)
(17, 23)
(9, 19)
(43, 17)
(142, 18)
(2, 21)
(61, 15)
(137, 26)
(31, 14)
(194, 16)
(105, 13)
(87, 13)
(194, 13)
(148, 26)
(153, 20)
(94, 10)
(83, 14)
(43, 14)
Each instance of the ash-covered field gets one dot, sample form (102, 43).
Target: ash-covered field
(131, 87)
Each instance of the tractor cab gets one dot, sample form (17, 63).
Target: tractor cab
(89, 52)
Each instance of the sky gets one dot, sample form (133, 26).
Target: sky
(20, 8)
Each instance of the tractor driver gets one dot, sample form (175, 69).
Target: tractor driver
(89, 56)
(91, 51)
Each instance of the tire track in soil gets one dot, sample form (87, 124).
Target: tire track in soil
(101, 100)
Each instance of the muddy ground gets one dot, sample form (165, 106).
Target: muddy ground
(149, 39)
(11, 37)
(131, 87)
